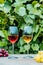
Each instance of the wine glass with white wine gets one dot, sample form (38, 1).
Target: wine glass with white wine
(27, 35)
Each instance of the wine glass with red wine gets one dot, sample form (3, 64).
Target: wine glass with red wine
(13, 36)
(27, 35)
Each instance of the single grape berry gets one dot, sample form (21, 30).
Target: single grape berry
(6, 54)
(0, 51)
(1, 55)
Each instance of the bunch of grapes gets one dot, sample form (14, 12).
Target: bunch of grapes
(3, 53)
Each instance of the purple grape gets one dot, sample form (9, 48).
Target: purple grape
(0, 51)
(6, 51)
(1, 55)
(6, 54)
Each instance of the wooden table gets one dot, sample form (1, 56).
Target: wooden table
(19, 61)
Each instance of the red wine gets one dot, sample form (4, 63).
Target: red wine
(13, 38)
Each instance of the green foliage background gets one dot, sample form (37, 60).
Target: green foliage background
(22, 13)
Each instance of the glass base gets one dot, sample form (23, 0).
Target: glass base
(20, 56)
(12, 57)
(27, 57)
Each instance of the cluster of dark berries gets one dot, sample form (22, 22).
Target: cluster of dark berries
(3, 53)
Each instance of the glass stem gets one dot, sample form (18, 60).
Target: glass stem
(27, 50)
(12, 48)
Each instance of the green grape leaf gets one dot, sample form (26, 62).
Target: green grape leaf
(32, 16)
(2, 1)
(35, 47)
(5, 34)
(7, 8)
(27, 47)
(21, 41)
(41, 46)
(41, 0)
(41, 23)
(29, 7)
(20, 10)
(3, 43)
(22, 49)
(1, 34)
(34, 2)
(41, 16)
(22, 27)
(17, 4)
(36, 28)
(22, 1)
(28, 19)
(1, 7)
(35, 12)
(10, 1)
(37, 5)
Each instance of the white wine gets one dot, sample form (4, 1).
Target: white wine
(27, 38)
